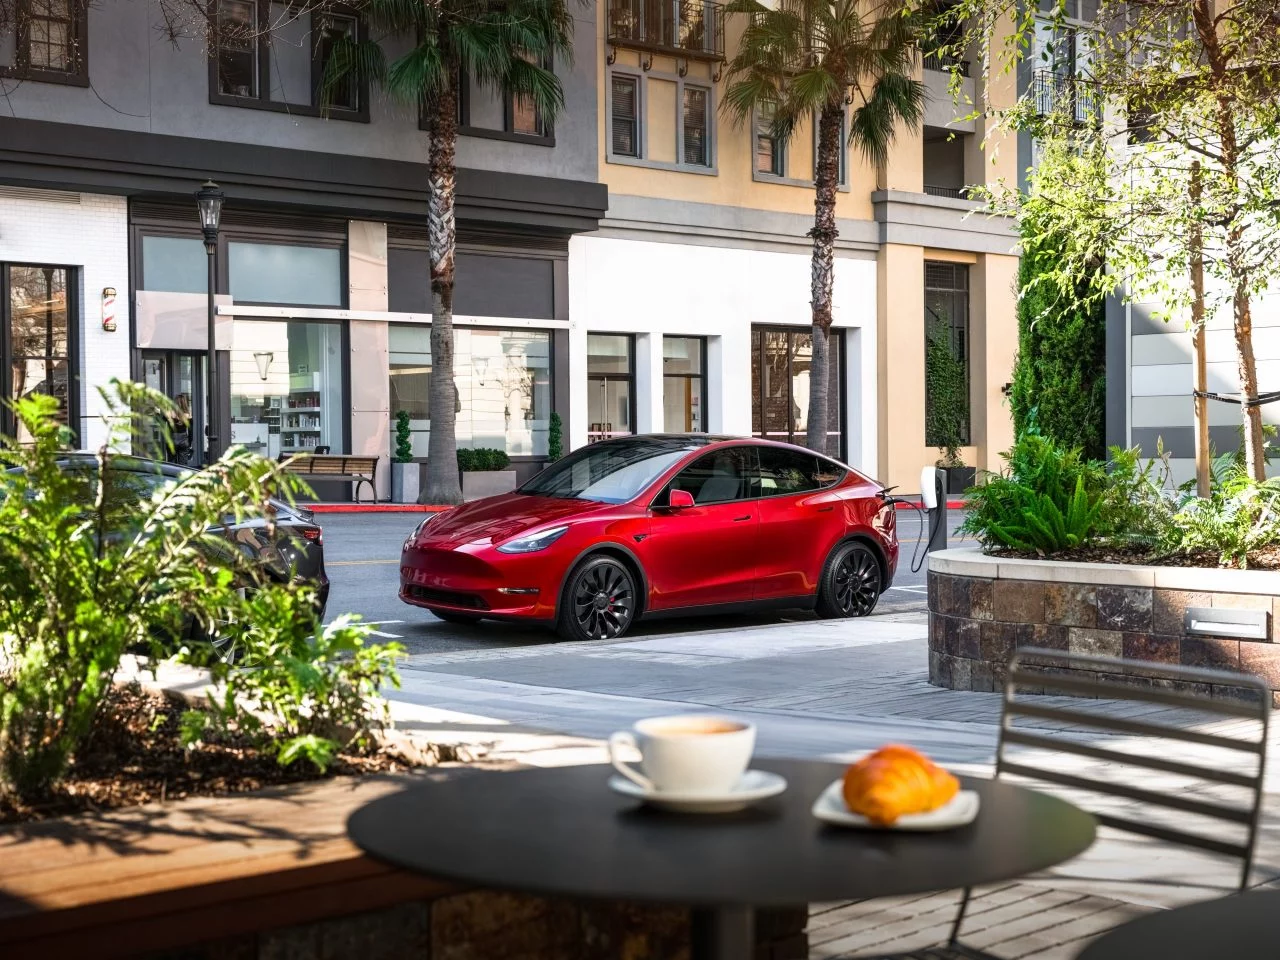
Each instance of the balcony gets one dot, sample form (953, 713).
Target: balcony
(944, 63)
(1072, 96)
(681, 28)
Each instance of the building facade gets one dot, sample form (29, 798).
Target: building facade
(643, 266)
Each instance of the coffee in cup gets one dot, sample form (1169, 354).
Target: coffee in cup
(686, 754)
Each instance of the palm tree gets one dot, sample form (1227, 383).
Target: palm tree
(811, 59)
(497, 44)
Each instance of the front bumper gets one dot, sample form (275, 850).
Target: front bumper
(476, 580)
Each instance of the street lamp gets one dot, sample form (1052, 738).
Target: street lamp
(209, 202)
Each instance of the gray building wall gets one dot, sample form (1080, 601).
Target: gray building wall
(141, 81)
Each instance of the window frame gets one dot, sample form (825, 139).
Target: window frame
(842, 472)
(700, 376)
(263, 42)
(641, 78)
(751, 486)
(7, 421)
(22, 68)
(779, 151)
(640, 131)
(595, 436)
(546, 138)
(841, 371)
(965, 328)
(708, 127)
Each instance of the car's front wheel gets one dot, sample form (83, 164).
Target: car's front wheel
(599, 602)
(850, 585)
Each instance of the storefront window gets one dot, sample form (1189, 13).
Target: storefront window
(780, 363)
(287, 380)
(683, 385)
(174, 265)
(611, 375)
(285, 273)
(38, 337)
(502, 384)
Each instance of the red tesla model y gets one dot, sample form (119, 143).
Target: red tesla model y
(654, 525)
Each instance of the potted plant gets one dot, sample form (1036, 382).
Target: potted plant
(404, 469)
(484, 473)
(947, 409)
(555, 438)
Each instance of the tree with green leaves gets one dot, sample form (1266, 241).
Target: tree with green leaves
(1157, 158)
(804, 60)
(504, 45)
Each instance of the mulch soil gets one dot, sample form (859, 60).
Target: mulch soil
(134, 756)
(1267, 558)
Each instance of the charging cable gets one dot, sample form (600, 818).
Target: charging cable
(917, 558)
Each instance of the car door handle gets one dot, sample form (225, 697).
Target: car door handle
(740, 519)
(825, 509)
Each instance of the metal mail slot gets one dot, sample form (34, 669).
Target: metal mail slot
(1217, 622)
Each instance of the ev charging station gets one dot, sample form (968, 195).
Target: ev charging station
(933, 492)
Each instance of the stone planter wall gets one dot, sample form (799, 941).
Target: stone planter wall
(982, 609)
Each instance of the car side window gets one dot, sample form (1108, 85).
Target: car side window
(718, 477)
(785, 472)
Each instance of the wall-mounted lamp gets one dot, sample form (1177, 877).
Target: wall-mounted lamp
(263, 359)
(109, 309)
(1007, 389)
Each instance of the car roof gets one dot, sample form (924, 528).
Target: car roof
(695, 440)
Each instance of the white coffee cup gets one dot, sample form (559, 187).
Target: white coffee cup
(688, 754)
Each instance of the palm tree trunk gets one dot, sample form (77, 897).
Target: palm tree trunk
(824, 233)
(442, 447)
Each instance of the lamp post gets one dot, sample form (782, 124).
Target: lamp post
(209, 202)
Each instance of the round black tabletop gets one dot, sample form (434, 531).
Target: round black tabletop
(562, 831)
(1241, 927)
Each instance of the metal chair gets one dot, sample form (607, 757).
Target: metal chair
(1041, 672)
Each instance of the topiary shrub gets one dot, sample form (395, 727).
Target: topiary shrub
(404, 446)
(555, 437)
(482, 459)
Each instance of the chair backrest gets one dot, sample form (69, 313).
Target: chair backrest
(1221, 718)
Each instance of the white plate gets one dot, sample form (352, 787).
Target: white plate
(963, 808)
(755, 785)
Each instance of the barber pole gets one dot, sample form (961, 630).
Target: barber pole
(109, 309)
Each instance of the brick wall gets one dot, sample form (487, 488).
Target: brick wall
(976, 623)
(89, 232)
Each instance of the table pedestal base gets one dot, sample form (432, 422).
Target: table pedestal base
(723, 933)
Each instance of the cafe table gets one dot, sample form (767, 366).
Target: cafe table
(563, 832)
(1245, 926)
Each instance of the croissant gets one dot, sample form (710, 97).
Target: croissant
(896, 781)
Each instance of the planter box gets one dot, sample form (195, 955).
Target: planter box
(478, 484)
(960, 479)
(405, 482)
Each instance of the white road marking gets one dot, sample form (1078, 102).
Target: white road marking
(922, 588)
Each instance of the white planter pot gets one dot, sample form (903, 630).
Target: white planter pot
(405, 482)
(478, 484)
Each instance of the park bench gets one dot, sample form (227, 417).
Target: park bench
(356, 470)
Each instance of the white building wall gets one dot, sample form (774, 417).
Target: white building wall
(88, 232)
(655, 289)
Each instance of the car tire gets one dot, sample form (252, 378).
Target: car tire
(850, 584)
(600, 600)
(463, 619)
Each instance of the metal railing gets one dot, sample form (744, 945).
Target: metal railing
(1075, 96)
(689, 27)
(956, 193)
(937, 61)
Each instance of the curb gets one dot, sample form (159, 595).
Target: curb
(951, 505)
(370, 508)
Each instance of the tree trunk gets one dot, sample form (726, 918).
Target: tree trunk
(1255, 457)
(442, 447)
(1201, 406)
(824, 233)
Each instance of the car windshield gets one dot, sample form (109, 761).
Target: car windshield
(611, 472)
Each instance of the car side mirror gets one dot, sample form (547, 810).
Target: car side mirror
(680, 500)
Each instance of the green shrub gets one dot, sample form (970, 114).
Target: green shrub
(1048, 499)
(404, 445)
(555, 437)
(482, 459)
(1240, 515)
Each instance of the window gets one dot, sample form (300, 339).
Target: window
(719, 477)
(843, 176)
(946, 316)
(695, 127)
(285, 273)
(788, 471)
(502, 387)
(287, 386)
(683, 384)
(611, 375)
(47, 42)
(37, 322)
(174, 265)
(497, 114)
(780, 362)
(272, 55)
(625, 116)
(770, 150)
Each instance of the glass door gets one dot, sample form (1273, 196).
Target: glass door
(180, 377)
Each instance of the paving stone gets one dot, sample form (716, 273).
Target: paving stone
(1169, 608)
(1018, 601)
(999, 640)
(1124, 608)
(1071, 604)
(1262, 659)
(1210, 652)
(982, 677)
(981, 598)
(1046, 636)
(968, 639)
(1096, 643)
(962, 674)
(938, 626)
(1152, 648)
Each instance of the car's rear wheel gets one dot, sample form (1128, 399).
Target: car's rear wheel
(599, 602)
(462, 618)
(850, 585)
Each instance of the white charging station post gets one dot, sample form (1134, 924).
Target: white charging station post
(933, 492)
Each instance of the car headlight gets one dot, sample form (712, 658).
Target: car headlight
(533, 542)
(418, 529)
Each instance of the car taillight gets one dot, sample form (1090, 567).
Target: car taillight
(312, 533)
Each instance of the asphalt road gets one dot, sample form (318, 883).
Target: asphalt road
(362, 552)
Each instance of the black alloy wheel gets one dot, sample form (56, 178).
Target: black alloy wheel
(850, 583)
(600, 601)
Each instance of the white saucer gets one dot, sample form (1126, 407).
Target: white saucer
(963, 809)
(755, 785)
